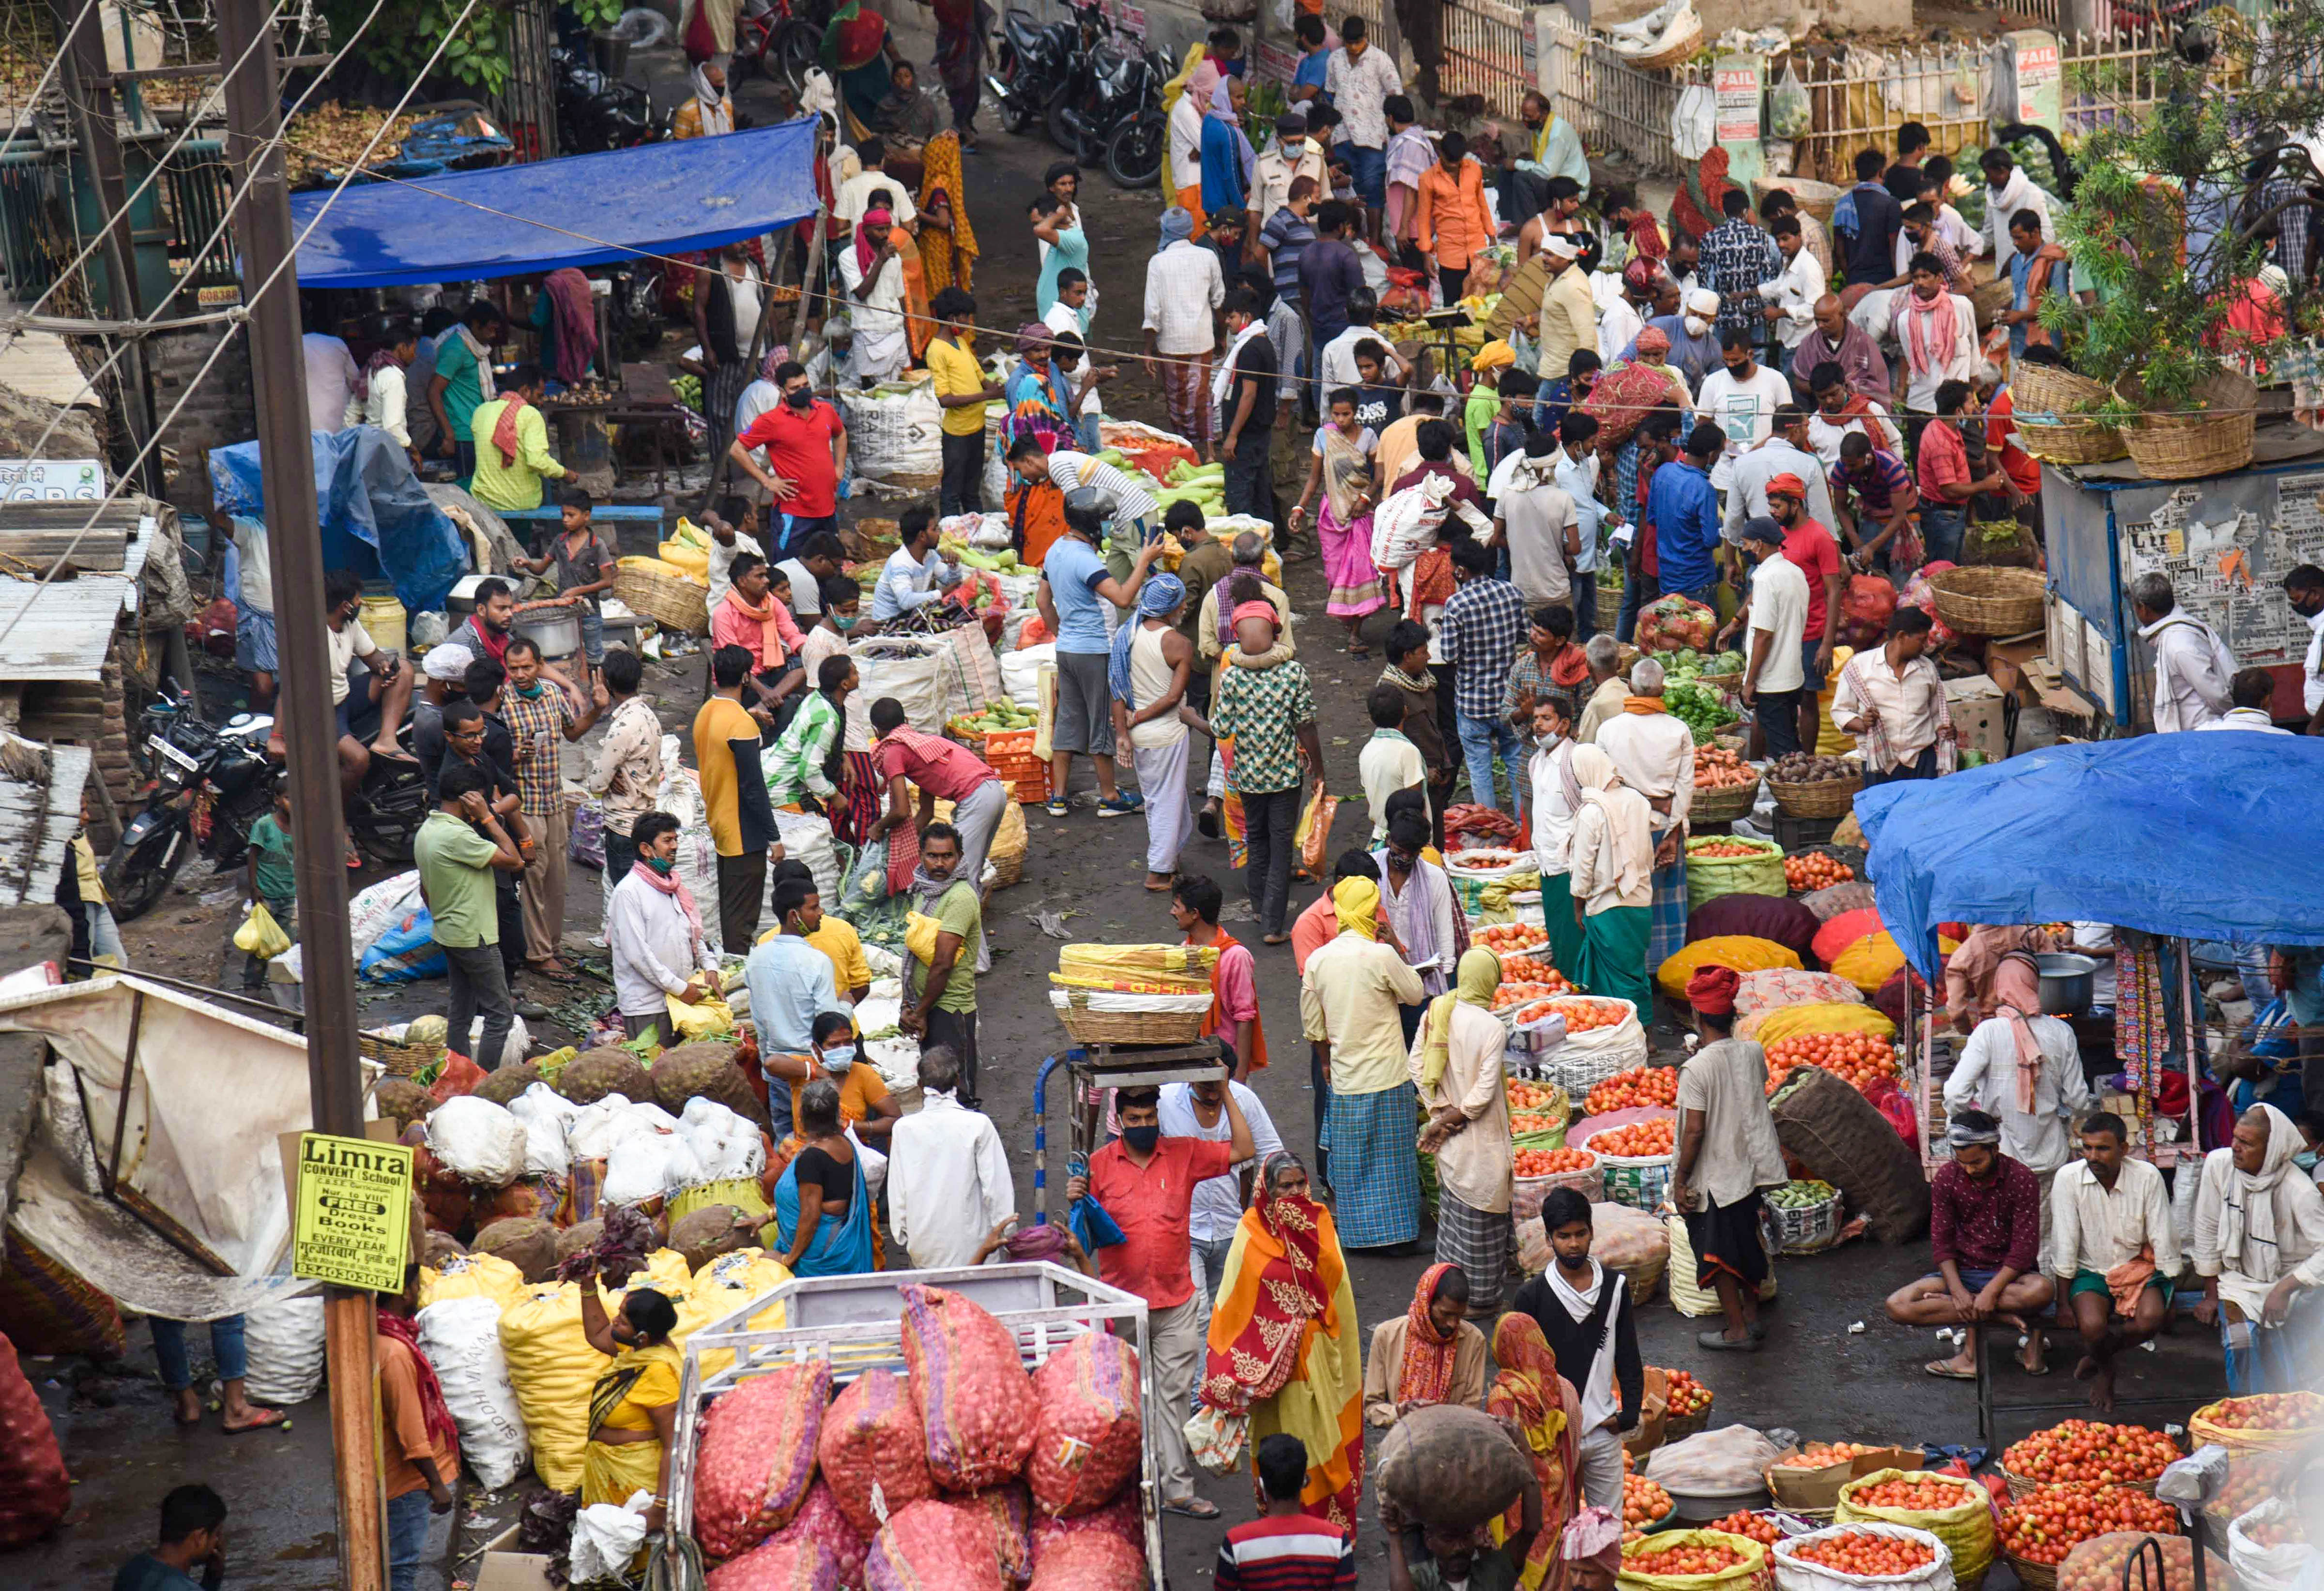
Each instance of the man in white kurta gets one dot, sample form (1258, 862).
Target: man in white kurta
(2259, 1246)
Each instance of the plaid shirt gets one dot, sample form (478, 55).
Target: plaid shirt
(795, 763)
(538, 727)
(1737, 257)
(1262, 709)
(1482, 626)
(2290, 225)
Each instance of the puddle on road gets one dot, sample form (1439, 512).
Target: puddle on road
(323, 1545)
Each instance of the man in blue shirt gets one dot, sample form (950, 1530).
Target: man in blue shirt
(1693, 334)
(1074, 581)
(1683, 507)
(1868, 218)
(1315, 61)
(193, 1541)
(790, 983)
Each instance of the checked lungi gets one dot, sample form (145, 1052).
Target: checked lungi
(1477, 1241)
(1375, 1175)
(1186, 389)
(1667, 936)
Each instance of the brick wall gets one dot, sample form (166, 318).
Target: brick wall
(223, 410)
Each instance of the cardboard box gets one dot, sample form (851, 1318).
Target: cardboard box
(1793, 1486)
(1976, 706)
(2005, 661)
(514, 1571)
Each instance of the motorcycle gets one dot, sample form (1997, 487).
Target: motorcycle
(1133, 151)
(1110, 84)
(782, 43)
(1030, 60)
(594, 110)
(210, 786)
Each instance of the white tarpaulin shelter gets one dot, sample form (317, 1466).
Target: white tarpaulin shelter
(167, 1194)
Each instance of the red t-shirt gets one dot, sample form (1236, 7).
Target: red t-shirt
(1812, 548)
(946, 769)
(1944, 462)
(2025, 471)
(799, 450)
(1151, 1207)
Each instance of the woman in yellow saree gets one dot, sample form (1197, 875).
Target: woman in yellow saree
(948, 241)
(633, 1407)
(1284, 1350)
(1542, 1404)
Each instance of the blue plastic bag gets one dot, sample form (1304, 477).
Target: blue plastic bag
(405, 953)
(1093, 1229)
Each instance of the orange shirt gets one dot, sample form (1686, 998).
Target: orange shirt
(404, 1437)
(1454, 224)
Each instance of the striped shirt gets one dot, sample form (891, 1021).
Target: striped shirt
(795, 762)
(1073, 470)
(1286, 1552)
(1876, 482)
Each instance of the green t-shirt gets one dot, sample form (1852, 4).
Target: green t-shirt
(957, 912)
(455, 868)
(1489, 1570)
(463, 392)
(271, 847)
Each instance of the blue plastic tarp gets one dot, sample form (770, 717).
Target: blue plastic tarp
(2193, 835)
(376, 520)
(659, 198)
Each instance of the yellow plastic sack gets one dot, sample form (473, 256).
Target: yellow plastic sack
(690, 534)
(743, 1192)
(1873, 960)
(1786, 1021)
(1830, 741)
(552, 1368)
(920, 931)
(1742, 953)
(1138, 957)
(725, 1284)
(686, 555)
(1966, 1529)
(260, 935)
(473, 1275)
(1752, 1571)
(700, 1020)
(664, 568)
(1009, 837)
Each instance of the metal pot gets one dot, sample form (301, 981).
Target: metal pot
(557, 632)
(461, 600)
(2066, 981)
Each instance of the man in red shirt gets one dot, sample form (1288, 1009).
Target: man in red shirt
(1816, 551)
(1946, 483)
(945, 771)
(806, 451)
(1147, 1183)
(2023, 470)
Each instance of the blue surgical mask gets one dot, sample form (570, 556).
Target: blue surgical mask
(2305, 1160)
(1142, 1138)
(839, 1058)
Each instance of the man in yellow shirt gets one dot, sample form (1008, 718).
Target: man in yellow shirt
(964, 394)
(511, 441)
(836, 937)
(734, 798)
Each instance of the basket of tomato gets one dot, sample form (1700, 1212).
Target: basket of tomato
(2092, 1452)
(2273, 1422)
(2039, 1528)
(1863, 1060)
(1636, 1160)
(1864, 1554)
(1541, 1171)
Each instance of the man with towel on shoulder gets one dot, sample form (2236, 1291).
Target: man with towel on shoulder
(1727, 1153)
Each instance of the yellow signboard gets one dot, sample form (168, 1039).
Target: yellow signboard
(353, 1214)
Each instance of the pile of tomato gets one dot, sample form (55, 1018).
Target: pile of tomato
(1725, 847)
(1691, 1558)
(1687, 1395)
(2090, 1450)
(2292, 1410)
(1744, 1522)
(2277, 1532)
(1510, 938)
(1643, 1501)
(2046, 1525)
(1861, 1552)
(1920, 1495)
(1862, 1058)
(1534, 969)
(1528, 1015)
(1641, 1085)
(1517, 991)
(1549, 1162)
(1526, 1123)
(1817, 1455)
(1531, 1096)
(1815, 870)
(2251, 1480)
(1641, 1140)
(1583, 1016)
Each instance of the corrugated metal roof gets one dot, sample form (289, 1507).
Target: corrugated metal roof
(68, 630)
(37, 825)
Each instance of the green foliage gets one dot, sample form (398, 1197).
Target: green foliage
(405, 34)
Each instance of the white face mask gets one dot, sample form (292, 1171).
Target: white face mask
(1696, 325)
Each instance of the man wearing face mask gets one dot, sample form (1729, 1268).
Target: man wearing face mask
(805, 446)
(1693, 341)
(791, 984)
(864, 1103)
(654, 930)
(1147, 1182)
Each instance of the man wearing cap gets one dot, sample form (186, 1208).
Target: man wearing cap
(445, 678)
(1771, 672)
(1292, 155)
(1727, 1153)
(1569, 311)
(1985, 1224)
(1693, 342)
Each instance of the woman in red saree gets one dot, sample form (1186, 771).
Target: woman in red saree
(855, 53)
(1542, 1404)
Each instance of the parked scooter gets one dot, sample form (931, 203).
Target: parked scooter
(1109, 82)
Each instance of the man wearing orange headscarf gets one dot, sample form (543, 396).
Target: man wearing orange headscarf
(1727, 1153)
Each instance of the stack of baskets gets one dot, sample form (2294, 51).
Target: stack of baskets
(2051, 407)
(1982, 601)
(662, 593)
(1133, 994)
(2210, 437)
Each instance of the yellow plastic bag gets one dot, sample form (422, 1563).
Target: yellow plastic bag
(1636, 1576)
(1787, 1021)
(1966, 1529)
(701, 1019)
(1695, 1303)
(551, 1369)
(260, 935)
(743, 1192)
(669, 570)
(920, 937)
(695, 560)
(472, 1275)
(1138, 957)
(725, 1284)
(1742, 953)
(1830, 741)
(1871, 962)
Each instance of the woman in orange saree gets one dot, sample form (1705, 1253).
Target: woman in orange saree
(947, 241)
(1529, 1390)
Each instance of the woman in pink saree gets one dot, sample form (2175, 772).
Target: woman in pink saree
(1342, 471)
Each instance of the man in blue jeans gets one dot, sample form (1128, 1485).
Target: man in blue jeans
(1360, 79)
(420, 1446)
(1482, 626)
(1683, 506)
(232, 1365)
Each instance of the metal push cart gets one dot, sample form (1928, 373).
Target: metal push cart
(855, 1323)
(1090, 1070)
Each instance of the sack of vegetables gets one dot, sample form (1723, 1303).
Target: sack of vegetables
(1672, 622)
(1720, 864)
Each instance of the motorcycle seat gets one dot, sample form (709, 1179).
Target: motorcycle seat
(1024, 33)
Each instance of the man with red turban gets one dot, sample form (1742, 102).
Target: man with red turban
(1727, 1153)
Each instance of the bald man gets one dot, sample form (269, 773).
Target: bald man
(1841, 342)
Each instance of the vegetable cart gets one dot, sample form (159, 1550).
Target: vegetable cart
(855, 1323)
(1091, 1069)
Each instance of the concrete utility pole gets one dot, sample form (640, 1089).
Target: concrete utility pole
(262, 229)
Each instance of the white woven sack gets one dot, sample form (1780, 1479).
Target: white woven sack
(285, 1340)
(2268, 1569)
(546, 1116)
(646, 1166)
(1020, 672)
(896, 437)
(1794, 1573)
(462, 1339)
(1624, 1040)
(806, 838)
(1695, 1303)
(477, 1141)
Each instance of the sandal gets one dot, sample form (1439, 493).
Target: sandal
(1942, 1369)
(266, 1419)
(1206, 823)
(1193, 1508)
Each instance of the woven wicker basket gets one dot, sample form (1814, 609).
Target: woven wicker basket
(2053, 386)
(1679, 1427)
(1680, 47)
(1610, 607)
(669, 602)
(1985, 600)
(2023, 1485)
(1126, 1027)
(1817, 798)
(1990, 299)
(2208, 441)
(2067, 439)
(400, 1058)
(1725, 804)
(1007, 870)
(2034, 1576)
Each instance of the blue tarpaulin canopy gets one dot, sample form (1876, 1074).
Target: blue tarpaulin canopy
(375, 518)
(663, 199)
(2195, 835)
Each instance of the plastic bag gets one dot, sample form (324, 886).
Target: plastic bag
(2266, 1568)
(260, 935)
(1719, 1463)
(1789, 112)
(868, 882)
(1314, 838)
(1694, 122)
(1794, 1573)
(606, 1538)
(461, 1338)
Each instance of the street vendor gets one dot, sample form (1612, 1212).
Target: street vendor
(1727, 1153)
(2025, 1069)
(1456, 1062)
(1427, 1356)
(941, 771)
(1973, 989)
(1985, 1212)
(633, 1406)
(1461, 1560)
(2113, 1250)
(2259, 1246)
(511, 443)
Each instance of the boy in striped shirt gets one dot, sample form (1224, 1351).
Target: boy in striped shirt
(1285, 1548)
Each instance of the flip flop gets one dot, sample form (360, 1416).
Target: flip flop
(1194, 1508)
(268, 1419)
(1942, 1370)
(1206, 823)
(2029, 1370)
(1716, 1342)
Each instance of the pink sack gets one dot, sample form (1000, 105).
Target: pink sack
(35, 1490)
(757, 1457)
(1784, 986)
(872, 1440)
(971, 1391)
(820, 1521)
(1008, 1513)
(1119, 1519)
(1094, 1560)
(1837, 934)
(782, 1564)
(1087, 1426)
(933, 1546)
